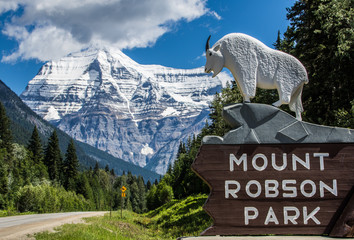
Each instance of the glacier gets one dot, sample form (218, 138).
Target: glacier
(135, 112)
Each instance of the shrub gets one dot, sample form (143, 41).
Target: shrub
(48, 198)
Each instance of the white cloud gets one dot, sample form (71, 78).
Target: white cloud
(6, 5)
(215, 15)
(51, 29)
(43, 43)
(202, 56)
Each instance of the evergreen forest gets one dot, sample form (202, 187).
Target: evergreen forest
(41, 179)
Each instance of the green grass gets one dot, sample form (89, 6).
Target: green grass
(174, 219)
(181, 217)
(6, 213)
(125, 228)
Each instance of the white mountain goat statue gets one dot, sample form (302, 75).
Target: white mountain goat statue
(253, 65)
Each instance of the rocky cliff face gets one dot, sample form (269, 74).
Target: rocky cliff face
(135, 112)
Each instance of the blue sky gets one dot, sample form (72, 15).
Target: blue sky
(170, 33)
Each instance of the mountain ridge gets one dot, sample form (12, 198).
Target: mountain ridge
(23, 120)
(136, 112)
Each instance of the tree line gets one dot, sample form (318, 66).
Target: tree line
(39, 178)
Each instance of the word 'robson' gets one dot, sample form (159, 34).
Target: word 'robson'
(272, 190)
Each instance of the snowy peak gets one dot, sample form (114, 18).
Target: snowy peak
(101, 96)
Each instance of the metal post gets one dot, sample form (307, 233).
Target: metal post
(123, 189)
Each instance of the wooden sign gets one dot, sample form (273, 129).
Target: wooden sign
(278, 188)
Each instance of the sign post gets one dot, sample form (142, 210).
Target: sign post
(123, 189)
(287, 187)
(276, 189)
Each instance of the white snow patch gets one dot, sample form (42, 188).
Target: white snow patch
(225, 78)
(169, 111)
(146, 150)
(52, 114)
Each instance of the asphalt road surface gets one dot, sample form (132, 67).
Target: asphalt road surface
(259, 238)
(18, 227)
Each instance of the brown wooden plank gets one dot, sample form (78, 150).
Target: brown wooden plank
(344, 226)
(213, 166)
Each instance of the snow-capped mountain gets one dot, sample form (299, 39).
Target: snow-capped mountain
(135, 112)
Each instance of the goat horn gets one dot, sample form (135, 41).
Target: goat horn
(207, 44)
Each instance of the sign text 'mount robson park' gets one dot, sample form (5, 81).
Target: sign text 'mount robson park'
(271, 186)
(275, 188)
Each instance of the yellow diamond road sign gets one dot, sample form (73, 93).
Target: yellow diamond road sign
(123, 189)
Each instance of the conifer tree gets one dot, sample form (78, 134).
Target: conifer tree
(3, 179)
(229, 94)
(148, 185)
(142, 194)
(181, 149)
(321, 36)
(134, 196)
(106, 168)
(53, 159)
(35, 146)
(169, 169)
(36, 155)
(83, 187)
(6, 138)
(96, 169)
(152, 201)
(277, 44)
(71, 167)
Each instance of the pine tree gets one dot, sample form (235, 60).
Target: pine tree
(142, 194)
(83, 187)
(6, 139)
(37, 156)
(321, 36)
(277, 44)
(181, 149)
(3, 179)
(106, 168)
(148, 185)
(152, 201)
(134, 196)
(96, 169)
(53, 159)
(35, 146)
(71, 167)
(229, 94)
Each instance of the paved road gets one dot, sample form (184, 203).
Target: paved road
(259, 238)
(18, 227)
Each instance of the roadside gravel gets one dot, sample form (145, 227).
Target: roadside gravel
(19, 227)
